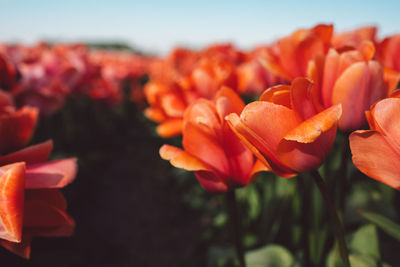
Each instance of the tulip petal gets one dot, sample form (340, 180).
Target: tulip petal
(279, 95)
(210, 182)
(170, 128)
(359, 86)
(22, 249)
(202, 114)
(301, 98)
(51, 196)
(41, 214)
(274, 67)
(367, 49)
(309, 130)
(181, 159)
(30, 155)
(207, 146)
(259, 166)
(249, 130)
(392, 79)
(227, 102)
(386, 114)
(155, 114)
(52, 174)
(304, 157)
(17, 128)
(375, 157)
(173, 105)
(12, 181)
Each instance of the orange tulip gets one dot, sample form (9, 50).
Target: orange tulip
(354, 38)
(376, 151)
(388, 52)
(219, 159)
(30, 202)
(351, 78)
(168, 101)
(284, 129)
(253, 77)
(288, 58)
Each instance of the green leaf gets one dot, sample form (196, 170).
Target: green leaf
(355, 261)
(365, 242)
(382, 222)
(269, 256)
(220, 256)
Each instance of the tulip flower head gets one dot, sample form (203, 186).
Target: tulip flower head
(285, 130)
(217, 156)
(16, 125)
(30, 202)
(352, 78)
(388, 52)
(376, 151)
(288, 57)
(354, 38)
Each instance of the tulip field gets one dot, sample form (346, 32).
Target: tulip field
(286, 154)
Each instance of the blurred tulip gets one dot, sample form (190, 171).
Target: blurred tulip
(376, 151)
(388, 52)
(351, 78)
(253, 77)
(168, 101)
(8, 74)
(288, 57)
(16, 126)
(354, 38)
(284, 129)
(221, 162)
(30, 203)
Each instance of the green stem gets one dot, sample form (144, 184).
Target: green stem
(343, 172)
(337, 225)
(236, 229)
(305, 215)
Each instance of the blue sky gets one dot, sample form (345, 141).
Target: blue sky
(157, 26)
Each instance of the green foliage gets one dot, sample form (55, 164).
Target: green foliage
(384, 223)
(365, 242)
(270, 256)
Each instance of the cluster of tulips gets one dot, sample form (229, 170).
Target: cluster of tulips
(318, 81)
(44, 75)
(34, 81)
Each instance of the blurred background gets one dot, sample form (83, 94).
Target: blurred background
(132, 208)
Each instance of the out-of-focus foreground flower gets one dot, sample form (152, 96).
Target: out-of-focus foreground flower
(285, 130)
(30, 202)
(219, 159)
(376, 151)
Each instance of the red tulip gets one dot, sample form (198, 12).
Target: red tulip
(8, 74)
(16, 126)
(376, 151)
(351, 78)
(284, 129)
(30, 203)
(219, 159)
